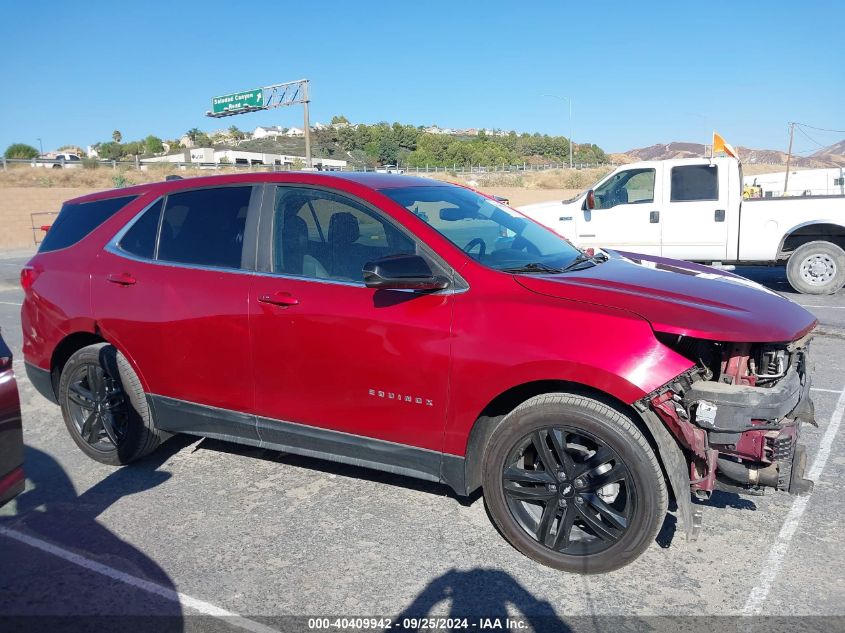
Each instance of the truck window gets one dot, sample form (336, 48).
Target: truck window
(695, 182)
(631, 186)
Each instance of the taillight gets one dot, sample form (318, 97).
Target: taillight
(28, 277)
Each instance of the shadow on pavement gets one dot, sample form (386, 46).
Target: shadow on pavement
(38, 583)
(481, 593)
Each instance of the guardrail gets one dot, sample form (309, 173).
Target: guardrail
(143, 165)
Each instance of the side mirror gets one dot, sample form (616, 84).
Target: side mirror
(591, 199)
(402, 272)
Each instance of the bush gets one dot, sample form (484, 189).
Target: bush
(21, 150)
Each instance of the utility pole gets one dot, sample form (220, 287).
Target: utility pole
(305, 101)
(40, 146)
(788, 155)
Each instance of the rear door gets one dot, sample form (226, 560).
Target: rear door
(171, 292)
(695, 225)
(626, 215)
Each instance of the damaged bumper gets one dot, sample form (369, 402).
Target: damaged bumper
(737, 416)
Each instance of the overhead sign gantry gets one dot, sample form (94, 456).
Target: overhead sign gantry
(266, 98)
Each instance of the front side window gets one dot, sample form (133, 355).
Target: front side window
(487, 230)
(204, 226)
(695, 182)
(626, 187)
(322, 235)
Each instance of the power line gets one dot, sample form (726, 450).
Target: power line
(810, 137)
(820, 129)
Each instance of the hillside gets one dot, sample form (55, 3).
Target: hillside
(832, 156)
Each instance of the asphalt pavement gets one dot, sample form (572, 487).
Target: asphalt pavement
(239, 534)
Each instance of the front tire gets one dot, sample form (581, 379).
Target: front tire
(105, 408)
(816, 268)
(574, 484)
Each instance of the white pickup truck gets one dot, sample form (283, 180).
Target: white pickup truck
(693, 209)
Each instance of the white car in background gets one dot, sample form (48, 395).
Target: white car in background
(62, 160)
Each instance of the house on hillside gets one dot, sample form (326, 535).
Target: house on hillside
(186, 141)
(294, 131)
(272, 131)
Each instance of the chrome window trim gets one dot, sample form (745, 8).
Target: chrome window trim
(113, 246)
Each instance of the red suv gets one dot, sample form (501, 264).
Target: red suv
(424, 329)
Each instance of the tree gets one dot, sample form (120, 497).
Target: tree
(202, 140)
(153, 145)
(117, 136)
(20, 150)
(339, 119)
(236, 133)
(110, 151)
(193, 133)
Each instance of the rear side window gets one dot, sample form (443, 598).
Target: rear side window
(140, 239)
(75, 221)
(695, 182)
(205, 226)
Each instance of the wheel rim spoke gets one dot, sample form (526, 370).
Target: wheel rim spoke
(616, 473)
(564, 531)
(108, 424)
(526, 493)
(614, 517)
(520, 476)
(95, 383)
(80, 396)
(544, 529)
(543, 452)
(601, 456)
(598, 527)
(558, 438)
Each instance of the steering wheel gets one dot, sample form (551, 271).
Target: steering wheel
(521, 244)
(482, 247)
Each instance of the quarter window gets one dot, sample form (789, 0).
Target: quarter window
(695, 182)
(76, 221)
(205, 226)
(322, 235)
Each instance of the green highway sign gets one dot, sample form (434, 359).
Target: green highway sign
(238, 101)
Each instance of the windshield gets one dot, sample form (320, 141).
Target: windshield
(490, 232)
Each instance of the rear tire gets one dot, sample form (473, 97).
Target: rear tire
(816, 268)
(597, 508)
(105, 408)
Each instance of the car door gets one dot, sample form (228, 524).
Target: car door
(342, 369)
(171, 290)
(694, 219)
(626, 215)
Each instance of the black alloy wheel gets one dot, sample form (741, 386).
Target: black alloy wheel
(97, 407)
(568, 490)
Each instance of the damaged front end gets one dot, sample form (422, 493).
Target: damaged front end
(737, 414)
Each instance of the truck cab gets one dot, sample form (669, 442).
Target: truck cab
(671, 208)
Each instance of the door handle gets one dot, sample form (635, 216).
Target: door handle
(654, 217)
(719, 216)
(283, 299)
(121, 279)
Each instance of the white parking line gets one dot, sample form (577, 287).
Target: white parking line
(206, 608)
(825, 390)
(804, 305)
(10, 303)
(771, 568)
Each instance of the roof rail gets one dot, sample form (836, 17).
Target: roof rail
(173, 177)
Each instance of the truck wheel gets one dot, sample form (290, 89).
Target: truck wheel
(816, 268)
(573, 484)
(104, 406)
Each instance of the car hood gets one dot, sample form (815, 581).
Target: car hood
(681, 298)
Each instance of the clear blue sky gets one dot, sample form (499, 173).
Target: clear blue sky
(639, 72)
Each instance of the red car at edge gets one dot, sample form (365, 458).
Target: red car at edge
(424, 329)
